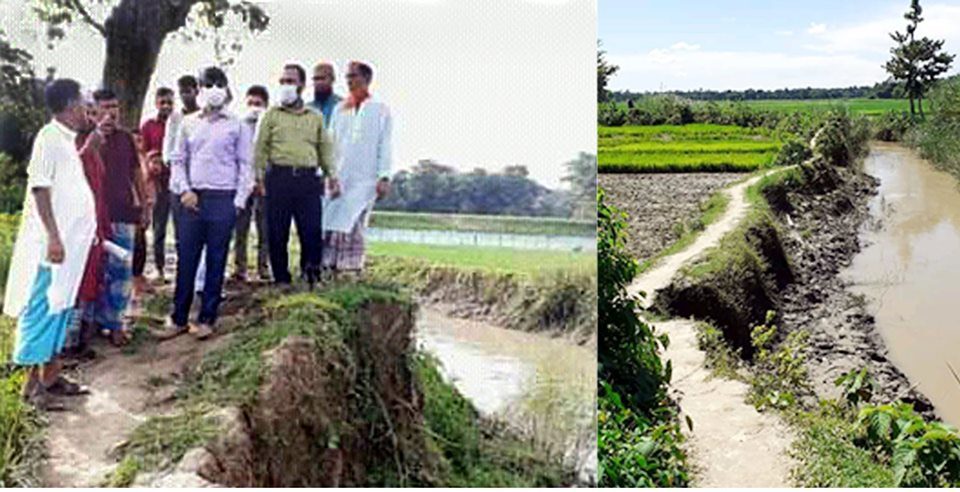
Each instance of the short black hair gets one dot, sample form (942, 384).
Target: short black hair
(104, 95)
(60, 93)
(164, 92)
(300, 71)
(187, 82)
(364, 70)
(213, 75)
(259, 91)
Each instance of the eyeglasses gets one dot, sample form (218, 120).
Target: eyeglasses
(209, 85)
(286, 81)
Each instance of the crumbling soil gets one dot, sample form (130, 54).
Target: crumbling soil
(821, 237)
(658, 204)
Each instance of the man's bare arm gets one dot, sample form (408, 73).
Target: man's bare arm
(55, 251)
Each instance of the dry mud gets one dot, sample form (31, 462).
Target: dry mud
(821, 237)
(656, 204)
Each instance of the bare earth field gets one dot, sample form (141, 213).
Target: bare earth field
(657, 204)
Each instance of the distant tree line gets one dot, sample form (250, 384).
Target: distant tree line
(437, 188)
(888, 89)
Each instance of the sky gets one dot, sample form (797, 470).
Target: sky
(742, 44)
(470, 83)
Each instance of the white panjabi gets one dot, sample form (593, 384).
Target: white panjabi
(54, 164)
(362, 155)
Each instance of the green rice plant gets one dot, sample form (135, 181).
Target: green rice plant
(693, 147)
(627, 162)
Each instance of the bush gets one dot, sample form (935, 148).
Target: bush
(891, 126)
(638, 432)
(938, 138)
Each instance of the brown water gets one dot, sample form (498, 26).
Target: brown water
(909, 271)
(544, 385)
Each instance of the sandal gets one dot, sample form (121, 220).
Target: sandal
(64, 387)
(42, 400)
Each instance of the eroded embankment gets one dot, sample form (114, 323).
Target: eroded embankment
(309, 389)
(561, 303)
(785, 257)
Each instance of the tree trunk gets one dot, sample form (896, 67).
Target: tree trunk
(920, 105)
(135, 32)
(912, 110)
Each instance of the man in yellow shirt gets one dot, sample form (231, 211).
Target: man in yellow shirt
(292, 155)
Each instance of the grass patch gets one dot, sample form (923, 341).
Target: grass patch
(161, 442)
(474, 453)
(722, 359)
(862, 106)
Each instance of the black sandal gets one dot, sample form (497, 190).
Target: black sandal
(64, 387)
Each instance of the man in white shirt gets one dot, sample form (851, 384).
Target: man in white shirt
(53, 244)
(361, 128)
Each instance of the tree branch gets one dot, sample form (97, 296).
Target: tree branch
(80, 9)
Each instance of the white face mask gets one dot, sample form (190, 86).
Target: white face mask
(213, 97)
(254, 113)
(288, 94)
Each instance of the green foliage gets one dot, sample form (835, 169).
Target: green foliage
(792, 153)
(917, 63)
(938, 137)
(638, 450)
(722, 359)
(892, 126)
(920, 453)
(21, 431)
(430, 187)
(605, 71)
(827, 454)
(639, 436)
(779, 372)
(857, 386)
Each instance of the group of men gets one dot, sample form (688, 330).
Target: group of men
(94, 188)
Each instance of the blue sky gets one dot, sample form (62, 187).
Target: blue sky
(739, 44)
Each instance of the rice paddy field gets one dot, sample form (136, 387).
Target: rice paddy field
(867, 107)
(686, 148)
(504, 260)
(483, 223)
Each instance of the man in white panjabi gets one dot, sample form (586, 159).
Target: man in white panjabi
(53, 244)
(361, 129)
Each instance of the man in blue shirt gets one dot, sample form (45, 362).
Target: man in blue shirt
(324, 100)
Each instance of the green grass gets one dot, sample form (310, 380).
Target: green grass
(525, 262)
(483, 223)
(867, 107)
(686, 148)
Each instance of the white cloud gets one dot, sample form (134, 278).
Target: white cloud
(682, 46)
(872, 36)
(786, 33)
(816, 28)
(672, 69)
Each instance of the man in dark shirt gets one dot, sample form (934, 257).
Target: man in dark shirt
(123, 186)
(153, 131)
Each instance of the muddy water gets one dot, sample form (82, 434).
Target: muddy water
(909, 271)
(544, 385)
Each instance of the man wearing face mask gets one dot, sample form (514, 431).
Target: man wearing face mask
(291, 151)
(257, 101)
(324, 100)
(211, 173)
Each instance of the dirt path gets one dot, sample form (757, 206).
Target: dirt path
(126, 389)
(660, 275)
(731, 443)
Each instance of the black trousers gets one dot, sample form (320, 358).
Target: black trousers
(294, 195)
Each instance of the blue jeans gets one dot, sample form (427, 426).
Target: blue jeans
(211, 227)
